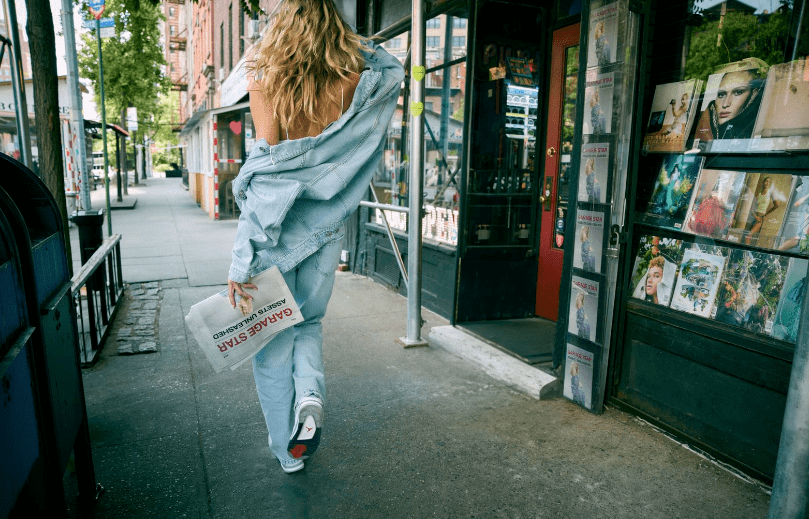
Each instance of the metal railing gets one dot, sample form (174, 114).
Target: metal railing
(97, 289)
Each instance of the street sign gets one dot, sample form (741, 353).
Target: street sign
(107, 32)
(96, 8)
(107, 22)
(132, 119)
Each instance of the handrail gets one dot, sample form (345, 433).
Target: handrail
(80, 278)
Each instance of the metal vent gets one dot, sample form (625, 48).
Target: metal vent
(385, 267)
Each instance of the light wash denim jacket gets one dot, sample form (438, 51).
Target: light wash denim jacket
(295, 196)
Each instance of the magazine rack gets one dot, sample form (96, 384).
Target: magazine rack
(604, 135)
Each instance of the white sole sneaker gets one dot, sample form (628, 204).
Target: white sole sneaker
(308, 422)
(292, 466)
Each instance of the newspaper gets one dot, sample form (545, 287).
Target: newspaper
(230, 336)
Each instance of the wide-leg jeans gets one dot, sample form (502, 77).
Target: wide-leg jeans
(290, 366)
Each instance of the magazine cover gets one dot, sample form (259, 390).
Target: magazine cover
(583, 320)
(595, 163)
(749, 290)
(784, 114)
(730, 106)
(589, 240)
(602, 47)
(788, 313)
(598, 103)
(578, 385)
(761, 209)
(795, 232)
(698, 282)
(673, 111)
(673, 190)
(655, 269)
(715, 198)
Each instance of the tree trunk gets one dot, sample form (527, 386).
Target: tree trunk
(42, 45)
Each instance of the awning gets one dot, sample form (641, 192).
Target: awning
(193, 121)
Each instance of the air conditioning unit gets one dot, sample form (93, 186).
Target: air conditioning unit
(221, 74)
(253, 30)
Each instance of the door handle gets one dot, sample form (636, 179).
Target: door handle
(551, 151)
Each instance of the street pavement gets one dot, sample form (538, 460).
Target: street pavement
(410, 433)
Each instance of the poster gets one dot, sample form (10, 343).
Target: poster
(583, 319)
(673, 190)
(698, 282)
(655, 271)
(788, 313)
(603, 44)
(673, 112)
(749, 290)
(595, 163)
(598, 103)
(784, 115)
(761, 209)
(589, 240)
(714, 202)
(794, 236)
(730, 106)
(578, 385)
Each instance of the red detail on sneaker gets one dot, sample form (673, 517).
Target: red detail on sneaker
(297, 451)
(308, 429)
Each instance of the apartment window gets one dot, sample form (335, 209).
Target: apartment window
(172, 30)
(230, 37)
(395, 43)
(459, 23)
(433, 23)
(459, 41)
(171, 12)
(241, 30)
(222, 45)
(433, 41)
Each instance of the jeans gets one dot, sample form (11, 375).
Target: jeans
(290, 366)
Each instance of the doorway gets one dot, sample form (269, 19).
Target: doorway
(555, 185)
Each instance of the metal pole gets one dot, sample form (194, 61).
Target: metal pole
(104, 127)
(415, 191)
(790, 491)
(18, 84)
(76, 117)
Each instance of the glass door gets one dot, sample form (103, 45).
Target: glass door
(555, 184)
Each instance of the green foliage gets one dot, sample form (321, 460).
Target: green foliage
(133, 60)
(162, 130)
(742, 36)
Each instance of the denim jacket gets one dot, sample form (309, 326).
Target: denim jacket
(294, 196)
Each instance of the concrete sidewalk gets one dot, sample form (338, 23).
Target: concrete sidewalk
(408, 433)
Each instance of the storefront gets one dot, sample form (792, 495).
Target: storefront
(609, 208)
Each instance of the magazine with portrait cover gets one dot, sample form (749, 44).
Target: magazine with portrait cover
(749, 290)
(598, 103)
(603, 43)
(730, 107)
(583, 319)
(594, 172)
(788, 313)
(673, 191)
(794, 236)
(714, 202)
(783, 121)
(698, 281)
(674, 109)
(579, 371)
(761, 209)
(589, 240)
(655, 271)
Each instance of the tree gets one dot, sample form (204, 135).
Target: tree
(42, 44)
(133, 60)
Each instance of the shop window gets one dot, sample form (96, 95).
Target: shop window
(443, 141)
(722, 200)
(231, 137)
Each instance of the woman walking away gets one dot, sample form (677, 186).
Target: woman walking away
(321, 102)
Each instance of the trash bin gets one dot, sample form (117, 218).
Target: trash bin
(91, 231)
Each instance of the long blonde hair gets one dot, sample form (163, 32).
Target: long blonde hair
(303, 58)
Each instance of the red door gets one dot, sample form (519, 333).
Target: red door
(555, 184)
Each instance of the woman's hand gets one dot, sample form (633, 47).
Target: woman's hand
(234, 287)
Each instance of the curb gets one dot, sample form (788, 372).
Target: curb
(497, 364)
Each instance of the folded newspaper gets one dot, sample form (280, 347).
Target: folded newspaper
(231, 336)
